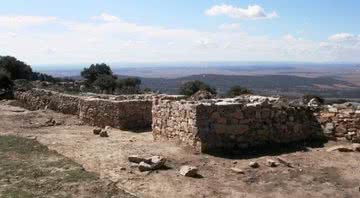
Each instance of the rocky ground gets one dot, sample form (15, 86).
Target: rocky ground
(303, 170)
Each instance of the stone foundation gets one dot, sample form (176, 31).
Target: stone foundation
(123, 112)
(206, 125)
(341, 121)
(225, 125)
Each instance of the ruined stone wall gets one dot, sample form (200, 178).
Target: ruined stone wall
(341, 121)
(126, 114)
(175, 120)
(225, 125)
(40, 99)
(123, 112)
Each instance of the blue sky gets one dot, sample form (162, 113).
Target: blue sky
(65, 31)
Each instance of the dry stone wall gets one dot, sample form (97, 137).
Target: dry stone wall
(40, 99)
(175, 120)
(225, 125)
(127, 114)
(206, 125)
(341, 121)
(123, 112)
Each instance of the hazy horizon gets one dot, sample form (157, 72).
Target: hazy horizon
(87, 31)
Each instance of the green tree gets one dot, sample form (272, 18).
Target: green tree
(6, 84)
(22, 84)
(237, 91)
(91, 74)
(191, 87)
(43, 77)
(16, 69)
(128, 86)
(105, 83)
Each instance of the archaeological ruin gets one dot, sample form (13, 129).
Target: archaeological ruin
(206, 125)
(125, 112)
(341, 121)
(228, 124)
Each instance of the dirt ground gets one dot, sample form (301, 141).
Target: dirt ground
(315, 172)
(29, 169)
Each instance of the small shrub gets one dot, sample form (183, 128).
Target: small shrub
(191, 87)
(237, 91)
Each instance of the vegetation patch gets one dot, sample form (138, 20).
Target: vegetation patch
(29, 169)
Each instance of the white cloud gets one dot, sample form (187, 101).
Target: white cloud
(231, 26)
(114, 40)
(106, 18)
(251, 12)
(344, 37)
(290, 37)
(24, 21)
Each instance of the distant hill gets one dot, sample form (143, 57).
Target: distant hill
(265, 84)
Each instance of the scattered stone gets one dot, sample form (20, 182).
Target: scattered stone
(134, 165)
(136, 159)
(156, 162)
(104, 133)
(314, 103)
(356, 147)
(188, 171)
(271, 163)
(285, 162)
(235, 162)
(340, 148)
(31, 137)
(122, 168)
(238, 170)
(17, 110)
(50, 122)
(96, 131)
(254, 165)
(144, 167)
(108, 128)
(147, 164)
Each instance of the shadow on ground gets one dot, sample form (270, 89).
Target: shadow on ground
(269, 149)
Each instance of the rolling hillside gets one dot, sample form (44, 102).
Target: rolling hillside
(266, 84)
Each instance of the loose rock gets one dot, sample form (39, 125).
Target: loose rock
(340, 148)
(156, 162)
(188, 171)
(271, 163)
(144, 167)
(284, 161)
(254, 165)
(356, 147)
(104, 133)
(96, 131)
(136, 159)
(238, 170)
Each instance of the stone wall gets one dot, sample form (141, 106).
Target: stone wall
(123, 112)
(175, 120)
(40, 99)
(341, 121)
(126, 114)
(228, 124)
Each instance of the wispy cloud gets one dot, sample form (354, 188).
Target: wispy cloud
(106, 18)
(344, 37)
(251, 12)
(24, 21)
(112, 39)
(230, 26)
